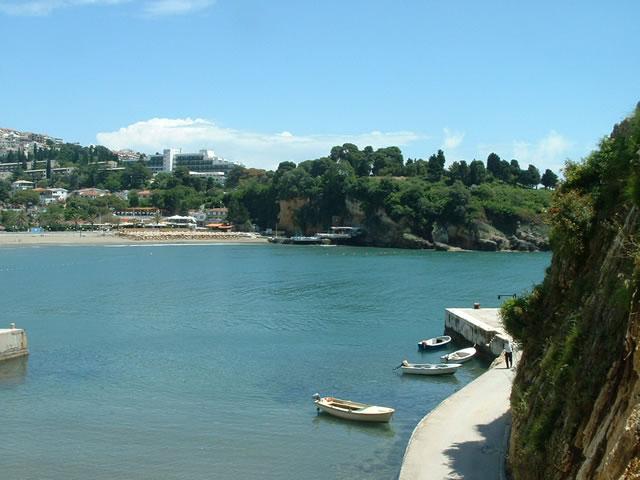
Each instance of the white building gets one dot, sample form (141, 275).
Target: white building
(22, 185)
(204, 163)
(50, 195)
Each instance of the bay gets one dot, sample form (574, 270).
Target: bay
(199, 361)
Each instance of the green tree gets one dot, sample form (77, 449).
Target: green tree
(477, 173)
(26, 198)
(15, 221)
(459, 171)
(549, 179)
(494, 165)
(435, 166)
(5, 190)
(135, 175)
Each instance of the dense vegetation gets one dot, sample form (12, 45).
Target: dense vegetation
(416, 194)
(577, 326)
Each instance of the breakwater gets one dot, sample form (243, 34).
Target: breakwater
(182, 234)
(13, 342)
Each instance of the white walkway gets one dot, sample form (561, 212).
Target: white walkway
(466, 436)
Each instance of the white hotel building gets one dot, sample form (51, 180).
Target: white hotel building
(205, 163)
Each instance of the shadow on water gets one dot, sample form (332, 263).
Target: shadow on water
(383, 430)
(485, 458)
(13, 371)
(447, 379)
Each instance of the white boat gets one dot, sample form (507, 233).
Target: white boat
(353, 410)
(460, 356)
(429, 368)
(434, 342)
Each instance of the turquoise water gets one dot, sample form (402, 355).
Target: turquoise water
(199, 362)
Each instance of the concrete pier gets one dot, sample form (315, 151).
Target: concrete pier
(466, 436)
(13, 343)
(482, 326)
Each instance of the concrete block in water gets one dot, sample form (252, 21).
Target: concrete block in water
(482, 326)
(13, 343)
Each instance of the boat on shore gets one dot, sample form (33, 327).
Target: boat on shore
(350, 410)
(435, 342)
(460, 356)
(429, 368)
(340, 235)
(297, 240)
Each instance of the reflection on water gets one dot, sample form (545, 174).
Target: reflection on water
(381, 430)
(13, 371)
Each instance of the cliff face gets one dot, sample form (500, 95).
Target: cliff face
(381, 230)
(576, 398)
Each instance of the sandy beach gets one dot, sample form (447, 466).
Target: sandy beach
(10, 239)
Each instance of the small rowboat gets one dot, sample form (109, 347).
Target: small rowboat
(460, 356)
(353, 410)
(435, 342)
(429, 368)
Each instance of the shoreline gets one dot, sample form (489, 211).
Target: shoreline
(148, 237)
(95, 238)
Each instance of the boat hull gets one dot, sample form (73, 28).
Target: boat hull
(368, 413)
(460, 356)
(433, 343)
(430, 369)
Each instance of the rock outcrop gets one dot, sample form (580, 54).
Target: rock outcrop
(380, 230)
(576, 397)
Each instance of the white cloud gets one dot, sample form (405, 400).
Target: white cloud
(254, 149)
(452, 139)
(148, 7)
(550, 151)
(44, 7)
(175, 7)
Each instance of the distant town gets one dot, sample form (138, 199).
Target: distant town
(40, 175)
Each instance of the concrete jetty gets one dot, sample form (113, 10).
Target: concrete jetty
(481, 326)
(466, 436)
(13, 342)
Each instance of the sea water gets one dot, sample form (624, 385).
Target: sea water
(200, 361)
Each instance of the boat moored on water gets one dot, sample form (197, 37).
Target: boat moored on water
(435, 342)
(460, 356)
(429, 368)
(350, 410)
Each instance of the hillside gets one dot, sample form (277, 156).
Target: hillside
(397, 203)
(575, 401)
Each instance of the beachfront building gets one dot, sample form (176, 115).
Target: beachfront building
(210, 215)
(204, 163)
(180, 221)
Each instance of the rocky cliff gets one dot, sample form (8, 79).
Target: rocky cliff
(380, 230)
(576, 398)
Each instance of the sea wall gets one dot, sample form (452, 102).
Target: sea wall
(481, 326)
(477, 440)
(13, 343)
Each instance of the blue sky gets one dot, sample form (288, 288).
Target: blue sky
(266, 81)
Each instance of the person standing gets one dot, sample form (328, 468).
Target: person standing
(508, 354)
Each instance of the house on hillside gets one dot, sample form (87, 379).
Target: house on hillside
(22, 185)
(50, 195)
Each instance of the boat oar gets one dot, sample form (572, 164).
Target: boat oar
(400, 365)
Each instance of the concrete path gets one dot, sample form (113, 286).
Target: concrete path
(466, 436)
